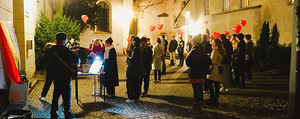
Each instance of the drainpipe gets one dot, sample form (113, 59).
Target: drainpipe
(294, 83)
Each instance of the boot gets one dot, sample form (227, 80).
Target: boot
(172, 63)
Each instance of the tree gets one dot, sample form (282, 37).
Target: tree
(45, 32)
(275, 36)
(263, 44)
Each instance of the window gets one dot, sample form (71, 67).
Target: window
(102, 23)
(245, 3)
(226, 5)
(207, 6)
(291, 1)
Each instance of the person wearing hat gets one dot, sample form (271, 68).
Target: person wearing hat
(198, 63)
(61, 65)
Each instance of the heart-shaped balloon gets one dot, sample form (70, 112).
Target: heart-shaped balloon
(159, 26)
(179, 32)
(216, 35)
(84, 18)
(152, 28)
(243, 22)
(205, 22)
(226, 33)
(237, 28)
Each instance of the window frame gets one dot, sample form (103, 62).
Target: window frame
(243, 5)
(226, 3)
(108, 29)
(290, 2)
(207, 7)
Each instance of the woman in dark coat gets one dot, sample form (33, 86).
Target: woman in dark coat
(135, 70)
(110, 68)
(198, 62)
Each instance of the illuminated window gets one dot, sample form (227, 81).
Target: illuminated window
(102, 23)
(245, 3)
(226, 5)
(207, 6)
(291, 1)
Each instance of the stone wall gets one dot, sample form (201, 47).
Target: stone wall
(258, 11)
(119, 26)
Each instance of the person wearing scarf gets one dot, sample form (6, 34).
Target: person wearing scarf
(110, 68)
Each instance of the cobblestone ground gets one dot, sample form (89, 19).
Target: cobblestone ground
(265, 97)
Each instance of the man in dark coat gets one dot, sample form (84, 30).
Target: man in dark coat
(172, 48)
(165, 44)
(135, 70)
(239, 61)
(180, 51)
(61, 65)
(147, 64)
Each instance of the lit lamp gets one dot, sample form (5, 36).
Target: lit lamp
(96, 66)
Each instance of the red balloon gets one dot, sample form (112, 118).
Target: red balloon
(216, 35)
(226, 33)
(179, 32)
(152, 28)
(159, 26)
(205, 22)
(243, 22)
(237, 28)
(84, 18)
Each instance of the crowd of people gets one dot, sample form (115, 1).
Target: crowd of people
(211, 63)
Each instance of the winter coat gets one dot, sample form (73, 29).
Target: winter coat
(249, 50)
(135, 62)
(173, 45)
(98, 50)
(216, 58)
(148, 57)
(241, 51)
(111, 69)
(165, 44)
(180, 46)
(58, 61)
(229, 51)
(158, 52)
(198, 61)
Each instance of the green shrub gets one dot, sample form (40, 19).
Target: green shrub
(44, 33)
(46, 29)
(269, 53)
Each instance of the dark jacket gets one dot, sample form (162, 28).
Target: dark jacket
(180, 46)
(207, 46)
(111, 69)
(165, 44)
(135, 62)
(198, 61)
(148, 58)
(173, 45)
(241, 50)
(58, 61)
(249, 50)
(229, 50)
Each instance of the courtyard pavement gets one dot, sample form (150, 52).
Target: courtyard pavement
(265, 97)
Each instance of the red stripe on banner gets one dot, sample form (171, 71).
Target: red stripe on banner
(12, 70)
